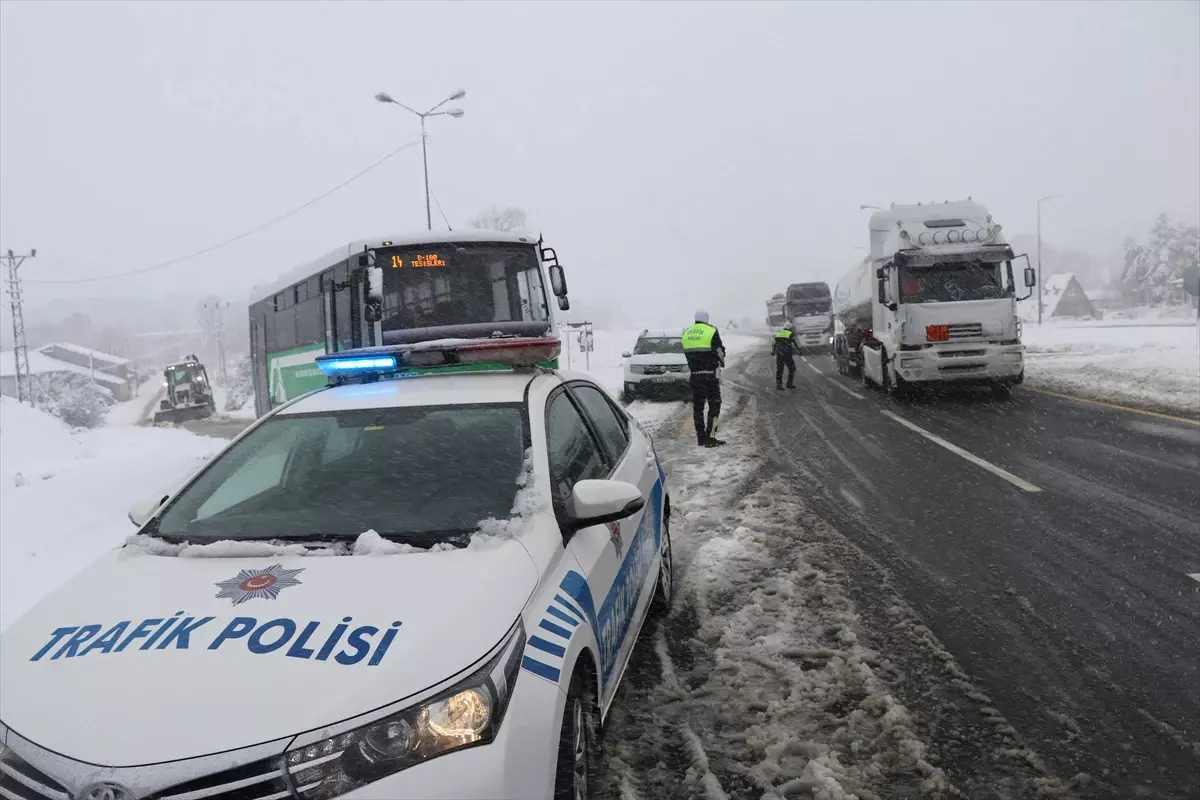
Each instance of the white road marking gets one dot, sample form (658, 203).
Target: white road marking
(814, 369)
(958, 451)
(805, 360)
(844, 388)
(1194, 576)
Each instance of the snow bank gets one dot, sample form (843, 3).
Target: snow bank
(1148, 365)
(69, 506)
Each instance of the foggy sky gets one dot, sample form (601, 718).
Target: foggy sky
(676, 155)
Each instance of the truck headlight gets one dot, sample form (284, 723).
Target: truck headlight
(465, 715)
(1012, 358)
(910, 363)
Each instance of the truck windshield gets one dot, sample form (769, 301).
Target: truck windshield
(947, 283)
(457, 283)
(810, 308)
(420, 475)
(646, 346)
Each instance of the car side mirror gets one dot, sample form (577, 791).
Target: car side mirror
(595, 502)
(558, 280)
(140, 514)
(564, 304)
(627, 354)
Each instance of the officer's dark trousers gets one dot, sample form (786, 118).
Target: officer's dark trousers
(705, 389)
(785, 362)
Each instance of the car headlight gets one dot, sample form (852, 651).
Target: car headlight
(466, 715)
(636, 369)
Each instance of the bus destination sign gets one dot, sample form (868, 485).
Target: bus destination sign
(418, 261)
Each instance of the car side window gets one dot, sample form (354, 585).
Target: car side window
(574, 453)
(613, 427)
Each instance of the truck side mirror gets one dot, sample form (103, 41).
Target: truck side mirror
(1030, 277)
(558, 282)
(564, 304)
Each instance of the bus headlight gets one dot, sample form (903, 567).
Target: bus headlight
(466, 715)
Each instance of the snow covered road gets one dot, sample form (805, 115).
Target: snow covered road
(1058, 637)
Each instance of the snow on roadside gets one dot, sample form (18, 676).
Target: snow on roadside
(1147, 365)
(140, 406)
(69, 505)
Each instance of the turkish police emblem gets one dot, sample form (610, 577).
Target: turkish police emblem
(251, 584)
(614, 535)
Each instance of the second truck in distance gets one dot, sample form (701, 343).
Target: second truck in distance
(934, 302)
(809, 310)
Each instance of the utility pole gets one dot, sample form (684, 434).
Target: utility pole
(1041, 304)
(384, 97)
(20, 350)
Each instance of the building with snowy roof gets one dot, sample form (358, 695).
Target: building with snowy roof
(1062, 296)
(42, 364)
(92, 359)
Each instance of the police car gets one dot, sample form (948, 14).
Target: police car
(398, 586)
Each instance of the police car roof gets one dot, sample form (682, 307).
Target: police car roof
(432, 389)
(662, 333)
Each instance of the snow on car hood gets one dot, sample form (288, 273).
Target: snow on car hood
(143, 658)
(658, 358)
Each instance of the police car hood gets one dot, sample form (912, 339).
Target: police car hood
(182, 657)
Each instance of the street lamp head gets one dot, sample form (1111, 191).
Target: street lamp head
(455, 112)
(459, 95)
(384, 97)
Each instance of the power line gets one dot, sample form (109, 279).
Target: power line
(240, 236)
(443, 213)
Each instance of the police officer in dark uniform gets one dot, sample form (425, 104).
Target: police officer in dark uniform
(705, 355)
(785, 348)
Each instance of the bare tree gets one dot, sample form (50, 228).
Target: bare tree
(500, 218)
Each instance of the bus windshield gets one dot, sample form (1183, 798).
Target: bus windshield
(453, 284)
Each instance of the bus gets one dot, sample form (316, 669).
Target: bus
(398, 290)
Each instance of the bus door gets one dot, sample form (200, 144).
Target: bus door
(367, 333)
(337, 308)
(328, 311)
(260, 379)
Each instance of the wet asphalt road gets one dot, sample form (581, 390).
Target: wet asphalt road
(1058, 571)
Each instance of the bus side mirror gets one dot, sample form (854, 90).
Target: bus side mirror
(564, 304)
(375, 283)
(558, 282)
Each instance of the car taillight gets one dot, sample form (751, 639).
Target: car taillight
(937, 333)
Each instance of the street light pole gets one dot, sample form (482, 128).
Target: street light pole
(1041, 200)
(383, 97)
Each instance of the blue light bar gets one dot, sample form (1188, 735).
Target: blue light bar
(355, 364)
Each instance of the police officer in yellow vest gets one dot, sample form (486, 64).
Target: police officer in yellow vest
(705, 354)
(784, 348)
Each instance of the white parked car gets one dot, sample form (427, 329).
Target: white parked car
(394, 587)
(656, 365)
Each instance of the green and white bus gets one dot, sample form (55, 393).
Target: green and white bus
(398, 290)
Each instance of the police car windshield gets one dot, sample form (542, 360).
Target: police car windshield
(647, 346)
(421, 475)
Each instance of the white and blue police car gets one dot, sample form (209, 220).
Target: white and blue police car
(398, 586)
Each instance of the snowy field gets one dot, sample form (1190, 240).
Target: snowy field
(1155, 365)
(64, 495)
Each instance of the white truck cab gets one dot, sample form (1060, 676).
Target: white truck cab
(935, 301)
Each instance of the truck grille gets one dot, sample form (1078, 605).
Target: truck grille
(962, 353)
(259, 780)
(20, 781)
(966, 330)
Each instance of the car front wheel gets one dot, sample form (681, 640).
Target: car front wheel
(577, 743)
(664, 592)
